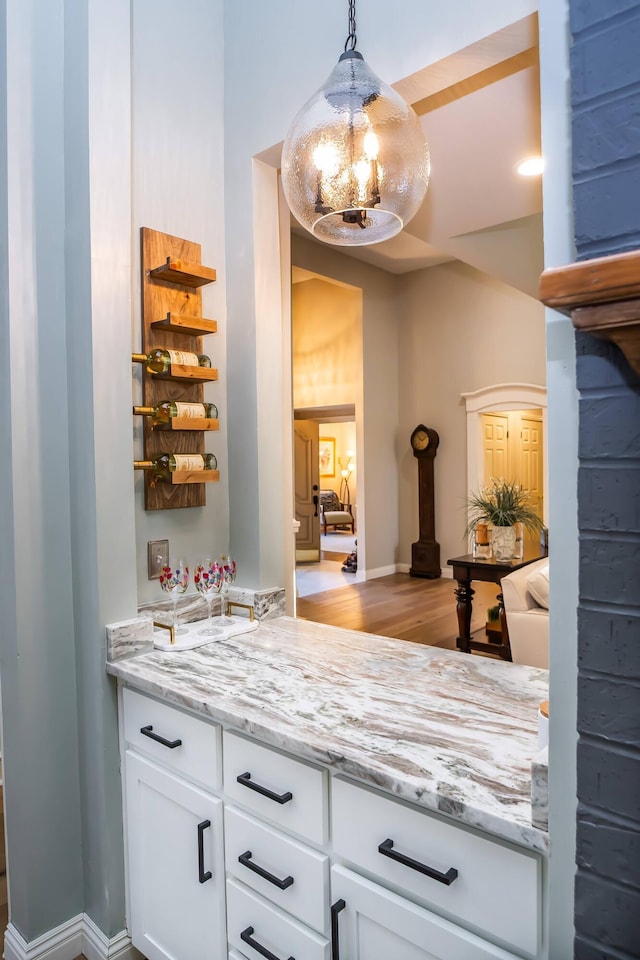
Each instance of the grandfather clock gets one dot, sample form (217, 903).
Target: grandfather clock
(425, 553)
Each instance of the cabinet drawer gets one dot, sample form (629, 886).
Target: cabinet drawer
(291, 793)
(270, 928)
(186, 744)
(297, 877)
(492, 888)
(374, 924)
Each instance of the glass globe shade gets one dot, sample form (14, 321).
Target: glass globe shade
(355, 162)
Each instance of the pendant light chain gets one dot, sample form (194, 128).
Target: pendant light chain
(352, 39)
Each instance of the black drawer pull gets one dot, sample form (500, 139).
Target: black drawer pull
(336, 908)
(148, 732)
(203, 875)
(386, 849)
(246, 861)
(246, 781)
(247, 936)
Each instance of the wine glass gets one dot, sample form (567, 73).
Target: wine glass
(228, 576)
(207, 577)
(174, 580)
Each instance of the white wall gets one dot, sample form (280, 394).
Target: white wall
(376, 397)
(563, 464)
(266, 84)
(37, 645)
(326, 343)
(178, 188)
(460, 330)
(345, 436)
(78, 149)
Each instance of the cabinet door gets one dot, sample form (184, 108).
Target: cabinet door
(176, 865)
(376, 924)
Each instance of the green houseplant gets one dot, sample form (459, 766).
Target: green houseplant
(502, 504)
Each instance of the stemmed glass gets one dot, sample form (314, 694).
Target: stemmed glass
(174, 580)
(228, 576)
(208, 581)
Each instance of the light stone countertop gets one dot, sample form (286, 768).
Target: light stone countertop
(452, 732)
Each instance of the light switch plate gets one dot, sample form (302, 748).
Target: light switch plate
(157, 557)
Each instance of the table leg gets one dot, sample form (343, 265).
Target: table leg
(503, 627)
(464, 594)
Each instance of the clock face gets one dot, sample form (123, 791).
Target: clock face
(420, 439)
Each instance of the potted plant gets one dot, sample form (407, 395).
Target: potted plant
(502, 504)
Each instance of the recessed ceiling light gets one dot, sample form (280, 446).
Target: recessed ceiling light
(531, 167)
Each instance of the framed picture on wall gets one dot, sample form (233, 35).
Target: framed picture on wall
(327, 456)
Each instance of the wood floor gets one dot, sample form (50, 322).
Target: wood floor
(409, 608)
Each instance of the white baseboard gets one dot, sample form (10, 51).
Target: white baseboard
(446, 572)
(380, 572)
(68, 941)
(61, 943)
(96, 946)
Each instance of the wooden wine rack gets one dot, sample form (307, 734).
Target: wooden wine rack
(172, 318)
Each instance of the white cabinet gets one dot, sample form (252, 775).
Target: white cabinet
(277, 787)
(238, 850)
(288, 873)
(176, 865)
(258, 929)
(174, 739)
(446, 866)
(371, 923)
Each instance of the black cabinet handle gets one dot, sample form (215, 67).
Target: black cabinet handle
(247, 936)
(203, 875)
(246, 861)
(246, 781)
(148, 732)
(386, 849)
(336, 908)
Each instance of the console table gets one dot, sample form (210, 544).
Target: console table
(466, 569)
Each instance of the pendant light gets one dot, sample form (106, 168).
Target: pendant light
(355, 162)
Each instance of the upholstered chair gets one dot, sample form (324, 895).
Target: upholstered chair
(333, 513)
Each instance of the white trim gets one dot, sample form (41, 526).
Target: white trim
(500, 396)
(445, 572)
(380, 572)
(68, 941)
(61, 943)
(96, 946)
(497, 397)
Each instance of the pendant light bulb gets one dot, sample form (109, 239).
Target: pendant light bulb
(355, 162)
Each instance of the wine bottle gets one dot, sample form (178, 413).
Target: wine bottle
(166, 410)
(167, 463)
(160, 361)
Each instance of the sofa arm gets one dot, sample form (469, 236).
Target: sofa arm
(529, 637)
(514, 588)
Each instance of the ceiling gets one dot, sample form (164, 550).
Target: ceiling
(480, 111)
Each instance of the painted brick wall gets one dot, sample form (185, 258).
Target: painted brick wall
(605, 69)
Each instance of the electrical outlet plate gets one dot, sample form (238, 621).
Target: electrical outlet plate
(157, 557)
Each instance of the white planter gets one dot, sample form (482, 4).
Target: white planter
(503, 543)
